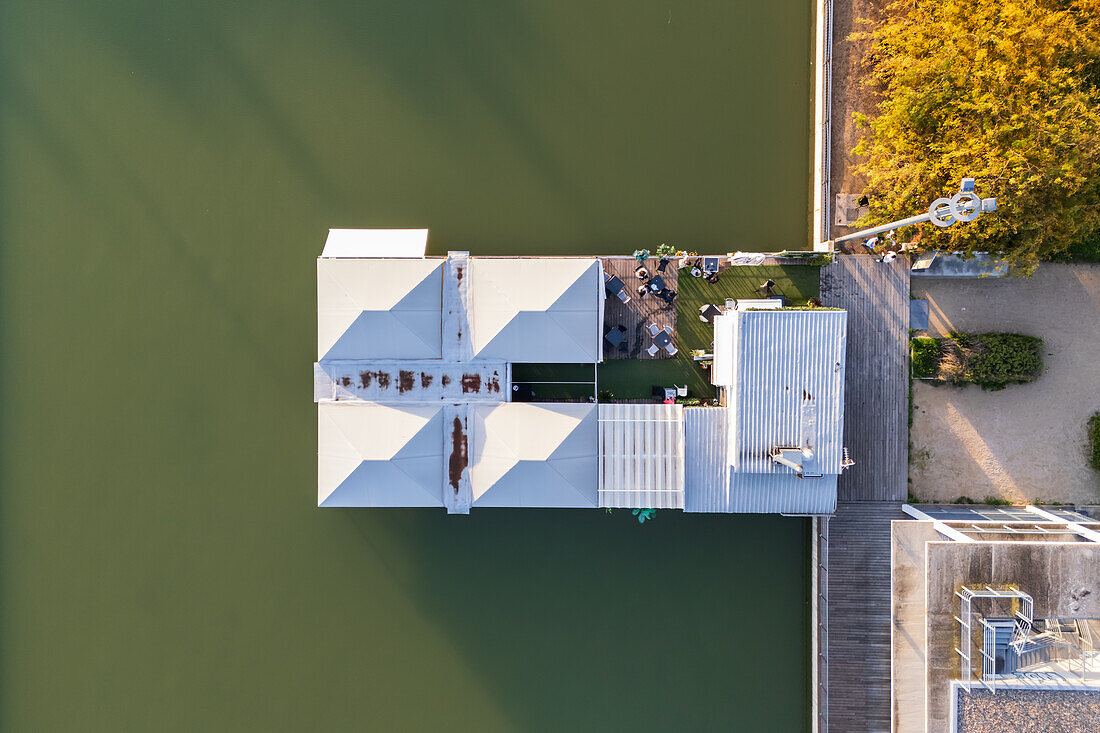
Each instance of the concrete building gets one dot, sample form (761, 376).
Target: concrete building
(994, 609)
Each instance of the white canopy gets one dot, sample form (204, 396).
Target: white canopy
(376, 243)
(379, 309)
(379, 456)
(544, 310)
(534, 455)
(642, 456)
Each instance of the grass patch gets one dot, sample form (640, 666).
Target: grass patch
(926, 351)
(633, 379)
(1094, 441)
(992, 360)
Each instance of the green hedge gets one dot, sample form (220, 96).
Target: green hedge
(997, 359)
(925, 353)
(1094, 441)
(992, 360)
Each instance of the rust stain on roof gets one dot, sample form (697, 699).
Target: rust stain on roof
(458, 459)
(365, 378)
(471, 383)
(425, 380)
(405, 381)
(446, 380)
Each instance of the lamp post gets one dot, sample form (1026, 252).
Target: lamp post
(963, 206)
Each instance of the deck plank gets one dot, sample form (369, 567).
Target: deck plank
(876, 379)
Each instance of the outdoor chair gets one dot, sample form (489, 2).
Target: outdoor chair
(623, 346)
(653, 330)
(671, 349)
(652, 350)
(681, 391)
(662, 265)
(623, 296)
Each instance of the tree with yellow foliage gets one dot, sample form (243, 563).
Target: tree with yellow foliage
(1007, 92)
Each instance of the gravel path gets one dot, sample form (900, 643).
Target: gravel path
(1028, 711)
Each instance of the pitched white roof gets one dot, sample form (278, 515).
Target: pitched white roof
(379, 456)
(379, 308)
(536, 310)
(376, 243)
(534, 455)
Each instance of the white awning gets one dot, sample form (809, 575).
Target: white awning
(545, 310)
(379, 309)
(642, 456)
(379, 456)
(376, 243)
(534, 455)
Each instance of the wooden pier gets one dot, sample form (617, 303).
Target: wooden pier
(853, 547)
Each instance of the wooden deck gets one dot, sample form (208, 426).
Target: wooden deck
(876, 379)
(857, 650)
(636, 315)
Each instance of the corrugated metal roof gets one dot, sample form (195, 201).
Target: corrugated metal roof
(783, 360)
(706, 463)
(642, 456)
(785, 377)
(769, 493)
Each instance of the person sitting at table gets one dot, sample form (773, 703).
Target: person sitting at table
(696, 272)
(712, 278)
(641, 273)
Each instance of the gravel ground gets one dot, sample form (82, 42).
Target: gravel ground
(1024, 711)
(1029, 440)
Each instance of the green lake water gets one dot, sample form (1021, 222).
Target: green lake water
(168, 171)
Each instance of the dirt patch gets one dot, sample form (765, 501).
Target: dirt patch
(849, 98)
(458, 460)
(1027, 441)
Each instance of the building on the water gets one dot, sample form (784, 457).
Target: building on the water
(995, 619)
(417, 406)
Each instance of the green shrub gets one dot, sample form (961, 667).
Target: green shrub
(996, 359)
(996, 501)
(1094, 441)
(925, 353)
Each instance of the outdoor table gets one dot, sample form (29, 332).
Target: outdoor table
(663, 338)
(708, 312)
(614, 336)
(657, 284)
(614, 285)
(710, 264)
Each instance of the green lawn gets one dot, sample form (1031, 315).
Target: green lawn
(634, 378)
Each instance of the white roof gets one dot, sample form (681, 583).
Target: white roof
(376, 243)
(544, 310)
(534, 455)
(379, 456)
(379, 309)
(642, 456)
(777, 365)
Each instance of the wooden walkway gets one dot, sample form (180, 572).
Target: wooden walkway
(636, 315)
(857, 650)
(876, 379)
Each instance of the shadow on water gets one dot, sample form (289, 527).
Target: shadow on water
(577, 620)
